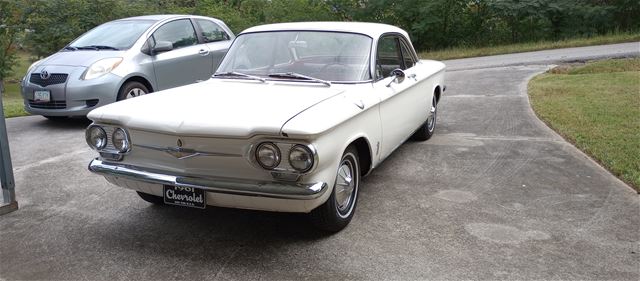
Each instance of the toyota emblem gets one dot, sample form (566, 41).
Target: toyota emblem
(44, 75)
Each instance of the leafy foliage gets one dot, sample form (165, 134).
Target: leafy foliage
(11, 25)
(432, 24)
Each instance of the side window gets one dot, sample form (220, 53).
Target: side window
(407, 57)
(178, 32)
(211, 31)
(388, 57)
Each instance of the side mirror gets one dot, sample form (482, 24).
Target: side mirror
(162, 46)
(397, 75)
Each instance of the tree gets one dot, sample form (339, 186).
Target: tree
(11, 25)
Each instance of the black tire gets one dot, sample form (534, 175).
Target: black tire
(427, 128)
(132, 89)
(56, 118)
(151, 198)
(333, 216)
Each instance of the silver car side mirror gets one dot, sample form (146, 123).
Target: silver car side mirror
(397, 75)
(162, 46)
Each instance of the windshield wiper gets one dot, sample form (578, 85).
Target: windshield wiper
(70, 48)
(96, 47)
(239, 74)
(298, 76)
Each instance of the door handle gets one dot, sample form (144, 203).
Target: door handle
(203, 52)
(412, 75)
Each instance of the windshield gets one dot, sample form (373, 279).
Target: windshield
(330, 56)
(116, 34)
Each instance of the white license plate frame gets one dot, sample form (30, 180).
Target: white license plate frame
(41, 96)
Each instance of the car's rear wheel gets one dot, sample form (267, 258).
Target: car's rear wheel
(428, 127)
(151, 198)
(132, 89)
(337, 212)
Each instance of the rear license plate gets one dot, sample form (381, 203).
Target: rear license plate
(41, 96)
(184, 196)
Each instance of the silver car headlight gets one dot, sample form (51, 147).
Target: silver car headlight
(268, 155)
(301, 158)
(96, 137)
(101, 67)
(120, 140)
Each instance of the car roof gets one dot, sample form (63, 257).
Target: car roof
(373, 30)
(156, 17)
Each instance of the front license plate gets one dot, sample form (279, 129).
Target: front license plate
(41, 96)
(185, 196)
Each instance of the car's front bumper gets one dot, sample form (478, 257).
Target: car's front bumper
(74, 97)
(271, 196)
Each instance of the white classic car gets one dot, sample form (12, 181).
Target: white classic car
(295, 116)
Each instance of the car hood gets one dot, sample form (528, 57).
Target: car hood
(217, 108)
(79, 58)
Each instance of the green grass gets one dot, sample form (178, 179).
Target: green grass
(465, 52)
(11, 99)
(596, 107)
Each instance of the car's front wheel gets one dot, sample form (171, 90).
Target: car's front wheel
(132, 89)
(337, 212)
(151, 198)
(427, 128)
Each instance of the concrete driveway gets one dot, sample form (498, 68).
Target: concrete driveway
(494, 195)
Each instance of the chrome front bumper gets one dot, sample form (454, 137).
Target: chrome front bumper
(217, 185)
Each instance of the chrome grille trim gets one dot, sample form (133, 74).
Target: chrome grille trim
(55, 78)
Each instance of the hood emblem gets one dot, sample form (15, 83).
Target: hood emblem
(181, 153)
(44, 75)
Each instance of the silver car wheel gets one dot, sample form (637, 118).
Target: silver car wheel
(135, 92)
(431, 120)
(345, 186)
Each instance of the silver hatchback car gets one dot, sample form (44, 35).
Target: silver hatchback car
(122, 59)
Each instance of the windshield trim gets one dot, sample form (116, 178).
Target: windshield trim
(371, 50)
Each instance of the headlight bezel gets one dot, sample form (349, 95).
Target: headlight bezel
(89, 135)
(126, 140)
(277, 154)
(284, 167)
(101, 68)
(308, 151)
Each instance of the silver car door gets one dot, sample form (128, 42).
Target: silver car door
(402, 106)
(186, 62)
(216, 38)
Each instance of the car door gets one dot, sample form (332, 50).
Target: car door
(187, 62)
(216, 39)
(403, 106)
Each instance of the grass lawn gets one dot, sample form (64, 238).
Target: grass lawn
(596, 107)
(457, 53)
(11, 99)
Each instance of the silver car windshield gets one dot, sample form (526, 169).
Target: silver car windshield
(112, 35)
(292, 55)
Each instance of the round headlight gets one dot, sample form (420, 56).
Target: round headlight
(301, 158)
(96, 137)
(120, 140)
(268, 155)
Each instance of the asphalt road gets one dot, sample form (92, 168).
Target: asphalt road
(494, 195)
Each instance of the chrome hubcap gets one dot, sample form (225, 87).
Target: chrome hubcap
(345, 185)
(135, 92)
(431, 120)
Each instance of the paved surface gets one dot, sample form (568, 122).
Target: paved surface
(548, 56)
(494, 195)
